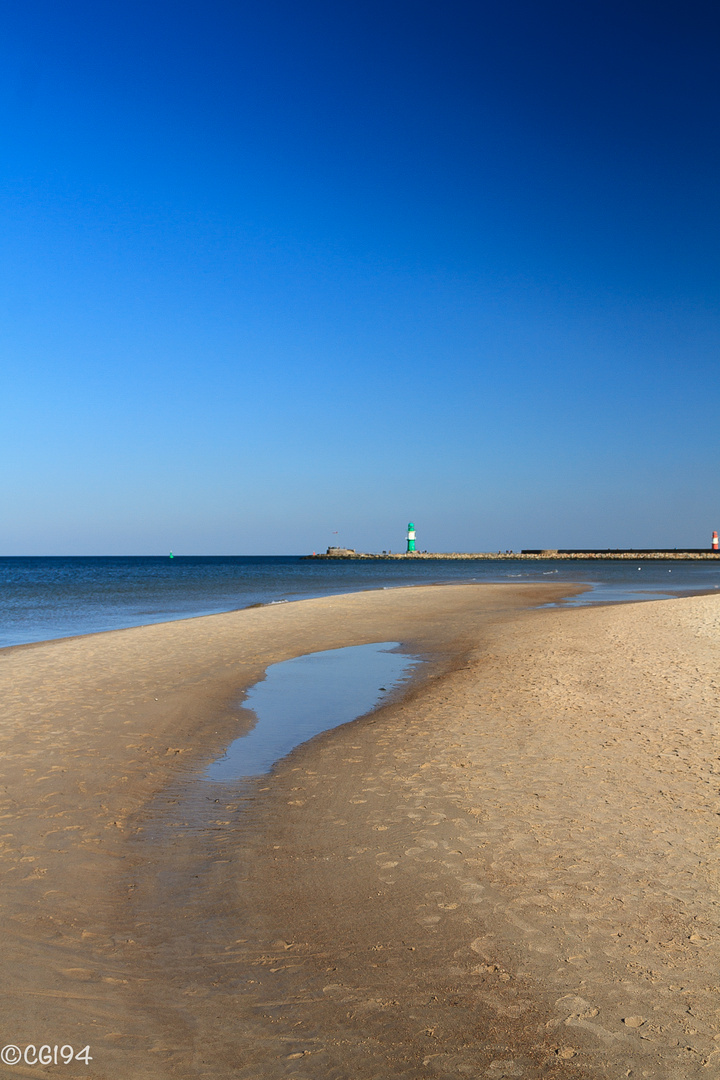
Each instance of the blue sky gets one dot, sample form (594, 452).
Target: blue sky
(278, 275)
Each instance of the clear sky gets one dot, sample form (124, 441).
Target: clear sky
(275, 275)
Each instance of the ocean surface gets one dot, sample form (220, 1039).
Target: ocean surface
(52, 597)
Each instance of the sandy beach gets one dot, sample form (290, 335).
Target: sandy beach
(511, 871)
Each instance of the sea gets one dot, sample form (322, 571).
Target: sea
(53, 597)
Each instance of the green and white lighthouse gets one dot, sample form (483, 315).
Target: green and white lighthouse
(410, 538)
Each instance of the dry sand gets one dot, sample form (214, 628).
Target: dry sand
(510, 872)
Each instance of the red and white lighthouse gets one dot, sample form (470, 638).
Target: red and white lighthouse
(715, 542)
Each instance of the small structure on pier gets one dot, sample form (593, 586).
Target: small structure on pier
(410, 538)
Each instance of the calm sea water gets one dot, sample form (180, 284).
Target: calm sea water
(42, 598)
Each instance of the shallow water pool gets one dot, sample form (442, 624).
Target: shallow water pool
(302, 697)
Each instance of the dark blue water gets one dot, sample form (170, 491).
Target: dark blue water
(42, 598)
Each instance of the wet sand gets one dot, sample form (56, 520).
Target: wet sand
(511, 871)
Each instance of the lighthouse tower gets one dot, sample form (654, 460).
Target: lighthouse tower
(410, 538)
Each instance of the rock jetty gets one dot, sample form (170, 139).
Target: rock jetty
(625, 553)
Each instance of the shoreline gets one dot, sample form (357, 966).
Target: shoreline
(479, 871)
(564, 588)
(33, 615)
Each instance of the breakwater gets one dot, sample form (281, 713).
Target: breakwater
(621, 554)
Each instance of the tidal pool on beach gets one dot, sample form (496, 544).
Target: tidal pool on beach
(301, 697)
